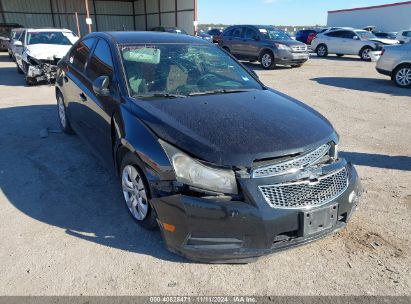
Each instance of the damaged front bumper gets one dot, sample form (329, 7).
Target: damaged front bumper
(220, 230)
(42, 70)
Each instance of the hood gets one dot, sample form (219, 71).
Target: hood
(47, 51)
(236, 129)
(386, 41)
(289, 42)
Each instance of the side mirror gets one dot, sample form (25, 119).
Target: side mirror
(100, 86)
(356, 38)
(17, 43)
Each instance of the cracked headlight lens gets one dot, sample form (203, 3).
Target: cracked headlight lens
(192, 172)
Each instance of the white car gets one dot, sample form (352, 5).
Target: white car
(39, 50)
(14, 36)
(395, 61)
(349, 42)
(404, 36)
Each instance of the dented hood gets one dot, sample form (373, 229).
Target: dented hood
(385, 41)
(47, 51)
(236, 129)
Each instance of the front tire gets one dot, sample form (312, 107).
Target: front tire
(267, 60)
(365, 53)
(19, 71)
(136, 192)
(62, 113)
(322, 50)
(402, 76)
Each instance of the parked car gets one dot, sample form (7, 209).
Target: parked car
(229, 169)
(14, 36)
(395, 61)
(404, 36)
(5, 30)
(266, 44)
(37, 52)
(302, 35)
(349, 42)
(386, 35)
(205, 36)
(169, 29)
(216, 33)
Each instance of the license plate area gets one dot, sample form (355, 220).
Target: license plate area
(321, 219)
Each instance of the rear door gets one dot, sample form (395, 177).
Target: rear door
(251, 42)
(236, 41)
(98, 110)
(334, 42)
(73, 83)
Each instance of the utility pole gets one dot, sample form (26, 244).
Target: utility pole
(88, 19)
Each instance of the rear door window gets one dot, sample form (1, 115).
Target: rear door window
(101, 62)
(337, 34)
(250, 33)
(237, 32)
(79, 55)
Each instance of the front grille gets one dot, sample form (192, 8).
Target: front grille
(293, 164)
(306, 193)
(299, 48)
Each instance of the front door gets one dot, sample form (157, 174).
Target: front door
(98, 110)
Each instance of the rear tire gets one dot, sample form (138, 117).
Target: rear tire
(365, 53)
(322, 50)
(402, 76)
(267, 60)
(62, 113)
(136, 192)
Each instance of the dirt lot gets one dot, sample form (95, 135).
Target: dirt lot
(64, 230)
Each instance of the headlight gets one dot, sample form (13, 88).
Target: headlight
(193, 173)
(282, 47)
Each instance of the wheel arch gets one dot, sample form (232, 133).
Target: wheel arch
(130, 135)
(266, 49)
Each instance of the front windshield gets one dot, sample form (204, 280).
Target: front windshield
(273, 34)
(180, 70)
(366, 35)
(60, 38)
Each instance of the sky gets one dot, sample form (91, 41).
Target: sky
(275, 12)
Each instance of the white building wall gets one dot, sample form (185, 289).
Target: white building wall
(389, 18)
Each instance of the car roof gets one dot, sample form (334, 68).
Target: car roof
(147, 37)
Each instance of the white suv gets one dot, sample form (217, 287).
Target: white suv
(404, 36)
(396, 62)
(349, 42)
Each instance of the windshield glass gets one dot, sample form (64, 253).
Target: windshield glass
(366, 35)
(179, 70)
(273, 34)
(60, 38)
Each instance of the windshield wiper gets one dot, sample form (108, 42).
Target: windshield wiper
(164, 95)
(223, 91)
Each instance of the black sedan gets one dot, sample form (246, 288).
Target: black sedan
(227, 168)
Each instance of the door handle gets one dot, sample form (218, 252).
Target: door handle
(83, 97)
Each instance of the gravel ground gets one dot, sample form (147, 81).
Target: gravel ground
(64, 230)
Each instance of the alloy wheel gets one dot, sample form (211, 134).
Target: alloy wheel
(403, 76)
(366, 54)
(266, 60)
(134, 192)
(62, 112)
(321, 51)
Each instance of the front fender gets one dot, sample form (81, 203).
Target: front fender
(132, 134)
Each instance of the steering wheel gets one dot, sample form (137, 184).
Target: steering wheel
(208, 78)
